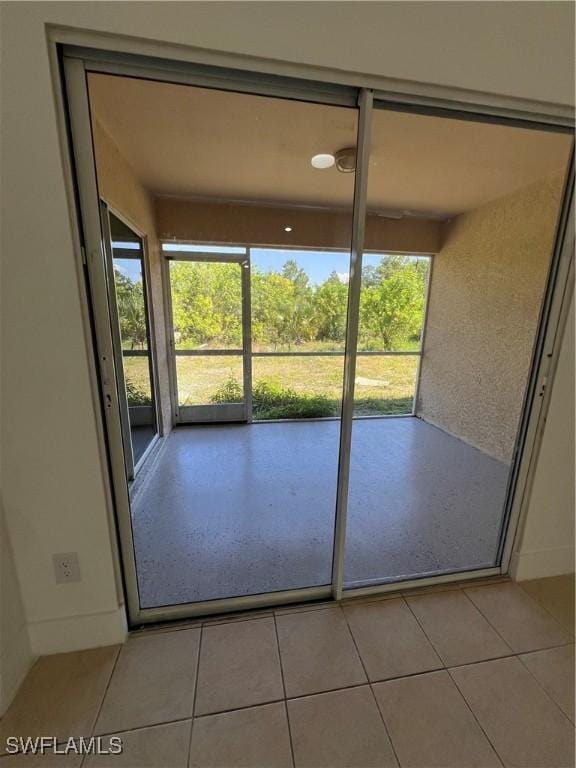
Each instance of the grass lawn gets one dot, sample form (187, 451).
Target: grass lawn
(384, 385)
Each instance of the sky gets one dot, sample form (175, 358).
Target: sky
(129, 268)
(318, 265)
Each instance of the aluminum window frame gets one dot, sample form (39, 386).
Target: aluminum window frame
(164, 62)
(221, 412)
(175, 255)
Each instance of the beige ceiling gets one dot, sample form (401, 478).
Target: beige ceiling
(196, 142)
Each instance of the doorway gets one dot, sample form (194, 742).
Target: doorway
(332, 491)
(209, 321)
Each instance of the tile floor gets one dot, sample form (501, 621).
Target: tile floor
(461, 676)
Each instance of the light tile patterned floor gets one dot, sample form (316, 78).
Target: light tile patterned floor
(449, 678)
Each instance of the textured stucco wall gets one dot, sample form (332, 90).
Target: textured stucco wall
(486, 290)
(120, 188)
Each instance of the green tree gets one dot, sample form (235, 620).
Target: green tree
(131, 310)
(330, 309)
(391, 312)
(300, 314)
(206, 304)
(287, 309)
(370, 276)
(272, 308)
(282, 306)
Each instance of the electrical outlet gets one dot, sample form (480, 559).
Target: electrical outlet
(66, 567)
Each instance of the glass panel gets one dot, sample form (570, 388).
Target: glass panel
(134, 326)
(209, 379)
(286, 387)
(251, 507)
(131, 305)
(392, 299)
(206, 305)
(427, 493)
(299, 300)
(189, 248)
(137, 377)
(385, 386)
(126, 245)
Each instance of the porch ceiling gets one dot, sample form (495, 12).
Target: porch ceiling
(196, 142)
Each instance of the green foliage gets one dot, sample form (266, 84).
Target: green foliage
(372, 406)
(136, 395)
(270, 400)
(392, 304)
(330, 309)
(288, 311)
(230, 392)
(131, 310)
(282, 307)
(206, 304)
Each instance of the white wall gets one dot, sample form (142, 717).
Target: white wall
(16, 655)
(54, 488)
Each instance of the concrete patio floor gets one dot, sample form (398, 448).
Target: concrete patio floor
(245, 509)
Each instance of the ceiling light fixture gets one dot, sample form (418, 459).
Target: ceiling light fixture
(287, 229)
(345, 160)
(323, 161)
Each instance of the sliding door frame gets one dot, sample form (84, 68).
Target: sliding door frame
(133, 62)
(117, 341)
(352, 322)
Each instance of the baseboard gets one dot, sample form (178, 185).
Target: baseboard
(76, 633)
(542, 563)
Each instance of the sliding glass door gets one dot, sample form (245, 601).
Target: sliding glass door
(130, 322)
(256, 268)
(357, 299)
(448, 346)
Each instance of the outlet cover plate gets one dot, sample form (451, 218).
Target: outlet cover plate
(66, 567)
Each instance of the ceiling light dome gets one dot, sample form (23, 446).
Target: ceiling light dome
(323, 161)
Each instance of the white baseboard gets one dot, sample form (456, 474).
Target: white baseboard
(77, 633)
(542, 563)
